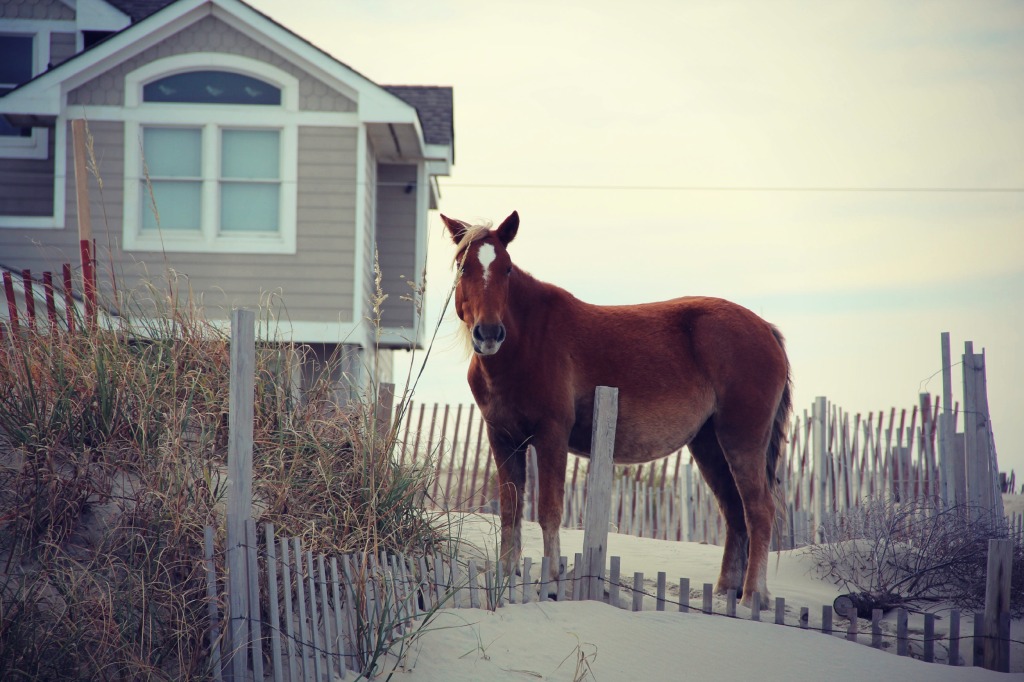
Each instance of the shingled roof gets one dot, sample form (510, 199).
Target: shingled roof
(433, 105)
(137, 10)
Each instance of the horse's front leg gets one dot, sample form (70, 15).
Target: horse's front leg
(552, 453)
(511, 465)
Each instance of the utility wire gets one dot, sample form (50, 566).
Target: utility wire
(741, 188)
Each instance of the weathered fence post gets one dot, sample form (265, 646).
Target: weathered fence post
(240, 419)
(997, 602)
(383, 409)
(686, 511)
(976, 491)
(982, 467)
(79, 135)
(820, 449)
(599, 487)
(947, 455)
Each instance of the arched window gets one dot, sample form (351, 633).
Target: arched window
(211, 87)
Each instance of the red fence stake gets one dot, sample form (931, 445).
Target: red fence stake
(51, 306)
(30, 299)
(12, 304)
(88, 281)
(69, 299)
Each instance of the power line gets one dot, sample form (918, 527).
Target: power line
(740, 188)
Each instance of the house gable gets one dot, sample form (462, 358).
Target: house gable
(208, 34)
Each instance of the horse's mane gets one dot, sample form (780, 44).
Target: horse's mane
(473, 233)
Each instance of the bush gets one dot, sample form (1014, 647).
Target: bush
(889, 554)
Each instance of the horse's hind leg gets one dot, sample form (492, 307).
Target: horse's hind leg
(745, 452)
(715, 470)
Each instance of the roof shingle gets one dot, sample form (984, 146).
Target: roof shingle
(138, 10)
(433, 105)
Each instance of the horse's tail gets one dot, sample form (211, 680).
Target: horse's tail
(781, 424)
(778, 440)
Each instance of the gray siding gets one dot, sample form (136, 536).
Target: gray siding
(62, 48)
(315, 284)
(208, 34)
(396, 241)
(35, 9)
(26, 185)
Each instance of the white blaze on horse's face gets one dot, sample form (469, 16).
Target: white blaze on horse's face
(482, 299)
(486, 254)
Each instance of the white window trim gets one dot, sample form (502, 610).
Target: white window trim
(37, 144)
(212, 118)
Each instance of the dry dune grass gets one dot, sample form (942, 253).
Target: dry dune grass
(112, 455)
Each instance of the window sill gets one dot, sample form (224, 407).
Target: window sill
(248, 244)
(34, 148)
(31, 222)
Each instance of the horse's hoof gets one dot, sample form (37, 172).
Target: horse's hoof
(765, 603)
(723, 591)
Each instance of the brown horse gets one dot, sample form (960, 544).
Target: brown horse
(694, 371)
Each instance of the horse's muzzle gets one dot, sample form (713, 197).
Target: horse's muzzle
(487, 338)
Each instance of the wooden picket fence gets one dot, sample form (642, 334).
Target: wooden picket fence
(318, 617)
(834, 462)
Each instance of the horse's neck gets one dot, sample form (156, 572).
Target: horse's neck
(537, 309)
(532, 301)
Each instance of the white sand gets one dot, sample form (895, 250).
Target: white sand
(559, 641)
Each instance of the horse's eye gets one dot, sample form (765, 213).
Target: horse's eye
(509, 271)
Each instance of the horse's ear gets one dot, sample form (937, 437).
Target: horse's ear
(457, 228)
(508, 228)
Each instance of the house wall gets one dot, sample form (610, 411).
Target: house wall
(62, 48)
(315, 284)
(396, 241)
(26, 185)
(208, 35)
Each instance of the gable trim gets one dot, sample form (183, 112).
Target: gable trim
(45, 94)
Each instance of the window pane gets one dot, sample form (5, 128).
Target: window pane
(250, 154)
(172, 152)
(15, 69)
(16, 65)
(249, 206)
(177, 203)
(211, 87)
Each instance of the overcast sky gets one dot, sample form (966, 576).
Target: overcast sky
(660, 149)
